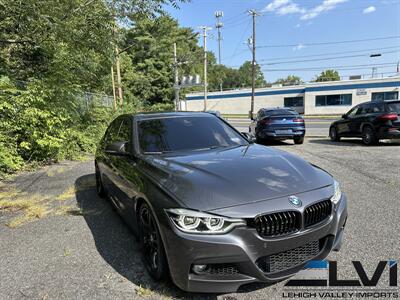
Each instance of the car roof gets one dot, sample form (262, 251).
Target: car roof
(276, 108)
(167, 114)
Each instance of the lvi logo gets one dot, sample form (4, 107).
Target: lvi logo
(323, 268)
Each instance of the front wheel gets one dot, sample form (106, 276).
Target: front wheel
(152, 245)
(333, 134)
(298, 140)
(368, 136)
(99, 183)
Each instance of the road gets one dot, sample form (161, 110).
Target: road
(86, 251)
(315, 127)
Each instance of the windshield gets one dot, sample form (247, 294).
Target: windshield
(186, 133)
(394, 107)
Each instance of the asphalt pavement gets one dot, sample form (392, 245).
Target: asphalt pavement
(88, 252)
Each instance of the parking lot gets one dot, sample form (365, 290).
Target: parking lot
(88, 253)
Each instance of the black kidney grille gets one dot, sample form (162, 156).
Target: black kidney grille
(279, 223)
(289, 259)
(317, 213)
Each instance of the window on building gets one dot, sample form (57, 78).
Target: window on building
(384, 96)
(331, 100)
(293, 101)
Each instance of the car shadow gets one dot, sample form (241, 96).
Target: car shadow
(277, 143)
(353, 142)
(118, 246)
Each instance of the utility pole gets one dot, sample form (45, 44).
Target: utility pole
(219, 25)
(176, 87)
(119, 83)
(113, 87)
(254, 14)
(205, 28)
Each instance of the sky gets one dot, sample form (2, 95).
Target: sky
(303, 37)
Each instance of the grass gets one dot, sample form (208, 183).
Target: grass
(143, 292)
(67, 194)
(34, 211)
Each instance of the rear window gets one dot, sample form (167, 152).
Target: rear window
(280, 112)
(393, 107)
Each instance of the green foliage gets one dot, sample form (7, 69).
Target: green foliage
(328, 75)
(289, 80)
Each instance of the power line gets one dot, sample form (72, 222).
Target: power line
(332, 53)
(240, 40)
(330, 43)
(350, 67)
(321, 59)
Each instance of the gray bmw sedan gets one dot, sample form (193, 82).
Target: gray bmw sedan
(211, 209)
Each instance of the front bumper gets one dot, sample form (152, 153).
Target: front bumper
(234, 254)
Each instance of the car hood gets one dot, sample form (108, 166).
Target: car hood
(215, 179)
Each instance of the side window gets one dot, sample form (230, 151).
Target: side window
(364, 109)
(112, 132)
(378, 108)
(125, 132)
(260, 115)
(353, 111)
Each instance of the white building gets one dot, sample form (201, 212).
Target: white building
(319, 98)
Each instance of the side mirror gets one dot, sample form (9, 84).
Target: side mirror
(344, 116)
(248, 136)
(251, 117)
(117, 149)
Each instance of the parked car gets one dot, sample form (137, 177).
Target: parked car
(211, 209)
(371, 121)
(278, 124)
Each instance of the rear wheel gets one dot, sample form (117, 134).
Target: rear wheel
(298, 140)
(152, 245)
(368, 136)
(333, 134)
(99, 183)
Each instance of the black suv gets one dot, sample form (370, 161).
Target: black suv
(371, 121)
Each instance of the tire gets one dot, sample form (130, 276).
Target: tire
(260, 140)
(99, 183)
(298, 140)
(333, 134)
(368, 136)
(151, 243)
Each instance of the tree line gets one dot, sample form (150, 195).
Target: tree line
(53, 53)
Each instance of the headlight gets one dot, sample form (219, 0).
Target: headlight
(191, 221)
(337, 194)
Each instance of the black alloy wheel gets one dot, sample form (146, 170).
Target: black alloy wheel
(333, 134)
(152, 246)
(368, 136)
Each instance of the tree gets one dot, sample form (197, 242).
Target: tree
(245, 72)
(289, 80)
(328, 75)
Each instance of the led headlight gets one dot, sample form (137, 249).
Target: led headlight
(337, 194)
(191, 221)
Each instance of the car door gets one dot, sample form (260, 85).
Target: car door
(358, 119)
(127, 179)
(343, 126)
(107, 161)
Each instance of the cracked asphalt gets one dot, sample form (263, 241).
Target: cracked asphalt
(88, 253)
